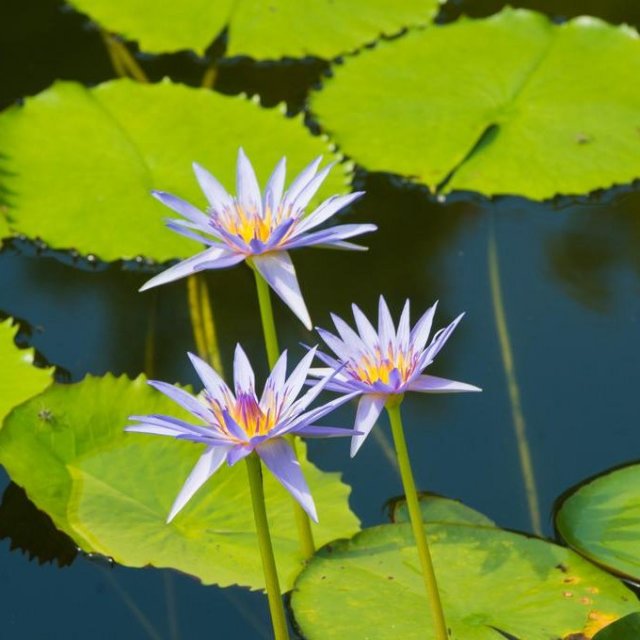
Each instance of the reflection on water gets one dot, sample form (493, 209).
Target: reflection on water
(569, 276)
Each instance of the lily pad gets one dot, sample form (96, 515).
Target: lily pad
(628, 628)
(270, 30)
(19, 379)
(546, 109)
(111, 491)
(601, 521)
(439, 509)
(493, 584)
(86, 184)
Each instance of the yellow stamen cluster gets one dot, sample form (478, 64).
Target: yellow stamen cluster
(377, 367)
(250, 225)
(248, 415)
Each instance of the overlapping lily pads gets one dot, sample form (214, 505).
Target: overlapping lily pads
(19, 378)
(437, 508)
(628, 628)
(492, 583)
(601, 520)
(512, 104)
(85, 183)
(262, 30)
(111, 491)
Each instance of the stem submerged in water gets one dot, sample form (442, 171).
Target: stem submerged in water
(303, 524)
(272, 584)
(415, 515)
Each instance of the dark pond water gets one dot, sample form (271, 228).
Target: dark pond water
(570, 278)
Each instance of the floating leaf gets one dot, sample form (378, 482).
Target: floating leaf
(493, 583)
(439, 509)
(545, 109)
(19, 379)
(31, 530)
(271, 30)
(601, 520)
(111, 491)
(86, 184)
(626, 629)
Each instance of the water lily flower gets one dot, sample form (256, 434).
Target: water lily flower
(259, 229)
(233, 425)
(384, 363)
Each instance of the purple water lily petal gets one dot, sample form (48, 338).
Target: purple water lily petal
(214, 384)
(327, 209)
(420, 333)
(278, 270)
(341, 245)
(318, 431)
(185, 229)
(365, 328)
(184, 399)
(433, 384)
(247, 187)
(182, 207)
(233, 427)
(369, 408)
(386, 330)
(215, 257)
(171, 423)
(301, 181)
(275, 383)
(243, 373)
(404, 328)
(311, 188)
(215, 193)
(439, 340)
(281, 460)
(275, 186)
(237, 453)
(295, 382)
(319, 412)
(328, 236)
(208, 463)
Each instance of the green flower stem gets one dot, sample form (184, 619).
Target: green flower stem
(278, 619)
(417, 524)
(303, 524)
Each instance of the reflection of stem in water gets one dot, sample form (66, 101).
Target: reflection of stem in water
(123, 62)
(210, 75)
(519, 424)
(202, 322)
(248, 613)
(386, 447)
(150, 339)
(128, 601)
(172, 607)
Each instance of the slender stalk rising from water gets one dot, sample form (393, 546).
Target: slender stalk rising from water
(303, 524)
(415, 515)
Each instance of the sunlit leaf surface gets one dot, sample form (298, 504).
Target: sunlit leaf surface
(262, 30)
(19, 379)
(512, 104)
(491, 581)
(601, 520)
(111, 491)
(439, 509)
(86, 183)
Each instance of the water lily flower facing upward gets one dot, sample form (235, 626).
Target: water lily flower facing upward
(232, 426)
(383, 363)
(259, 229)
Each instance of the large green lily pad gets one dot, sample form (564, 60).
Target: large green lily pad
(437, 508)
(601, 521)
(628, 628)
(491, 581)
(111, 491)
(86, 183)
(19, 379)
(262, 30)
(512, 104)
